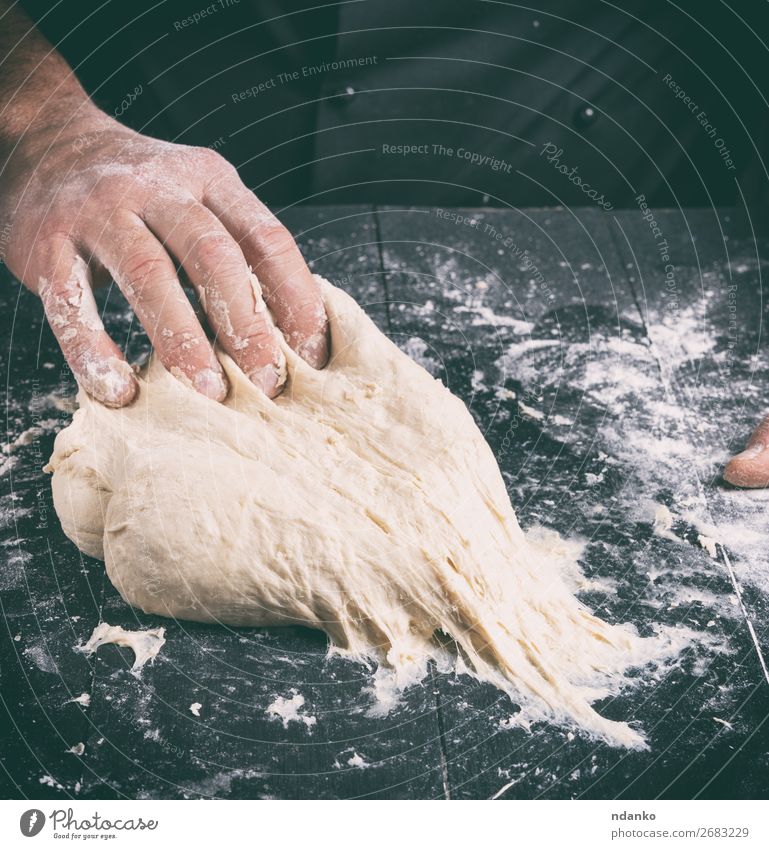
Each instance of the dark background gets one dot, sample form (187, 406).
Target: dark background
(496, 78)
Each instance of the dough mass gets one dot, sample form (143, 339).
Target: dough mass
(363, 501)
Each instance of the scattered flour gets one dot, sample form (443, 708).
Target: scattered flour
(28, 436)
(418, 350)
(288, 710)
(709, 544)
(530, 412)
(660, 409)
(355, 760)
(483, 315)
(38, 653)
(50, 781)
(358, 761)
(663, 523)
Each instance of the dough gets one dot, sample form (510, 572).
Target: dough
(144, 644)
(363, 501)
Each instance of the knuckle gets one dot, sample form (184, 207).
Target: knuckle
(49, 249)
(143, 268)
(273, 239)
(258, 335)
(214, 248)
(80, 351)
(261, 333)
(261, 345)
(212, 161)
(218, 262)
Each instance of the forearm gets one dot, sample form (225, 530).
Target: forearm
(38, 89)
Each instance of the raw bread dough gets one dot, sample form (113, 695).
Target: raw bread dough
(363, 501)
(144, 644)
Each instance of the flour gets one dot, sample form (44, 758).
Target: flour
(28, 436)
(663, 523)
(667, 442)
(355, 760)
(289, 710)
(38, 653)
(7, 463)
(483, 315)
(217, 785)
(417, 349)
(709, 544)
(530, 412)
(8, 458)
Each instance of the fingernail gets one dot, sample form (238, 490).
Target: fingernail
(211, 384)
(270, 378)
(113, 384)
(314, 350)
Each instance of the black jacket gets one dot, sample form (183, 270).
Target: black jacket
(453, 102)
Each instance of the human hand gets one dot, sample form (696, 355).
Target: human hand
(97, 200)
(750, 468)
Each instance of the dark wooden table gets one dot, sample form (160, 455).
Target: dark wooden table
(605, 387)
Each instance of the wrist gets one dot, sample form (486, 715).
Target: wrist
(40, 96)
(28, 134)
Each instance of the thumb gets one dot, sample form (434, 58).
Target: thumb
(750, 468)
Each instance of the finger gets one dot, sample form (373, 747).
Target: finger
(147, 277)
(229, 293)
(291, 291)
(96, 361)
(750, 468)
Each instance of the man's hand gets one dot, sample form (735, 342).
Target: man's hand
(751, 467)
(99, 198)
(87, 198)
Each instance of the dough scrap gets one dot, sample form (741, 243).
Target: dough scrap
(144, 644)
(363, 501)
